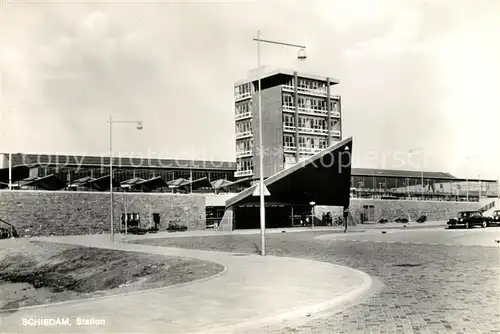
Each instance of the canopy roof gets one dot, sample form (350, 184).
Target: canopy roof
(81, 182)
(130, 183)
(151, 184)
(177, 183)
(323, 178)
(18, 173)
(49, 182)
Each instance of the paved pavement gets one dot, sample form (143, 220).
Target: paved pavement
(472, 237)
(434, 287)
(333, 229)
(254, 291)
(450, 286)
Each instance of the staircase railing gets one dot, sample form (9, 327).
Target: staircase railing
(487, 206)
(13, 232)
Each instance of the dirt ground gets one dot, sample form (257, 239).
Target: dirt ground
(33, 273)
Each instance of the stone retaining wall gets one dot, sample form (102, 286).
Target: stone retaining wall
(38, 213)
(392, 209)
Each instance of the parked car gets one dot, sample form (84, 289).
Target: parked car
(401, 220)
(495, 217)
(422, 219)
(468, 219)
(383, 221)
(4, 233)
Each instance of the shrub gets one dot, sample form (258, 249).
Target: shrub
(176, 228)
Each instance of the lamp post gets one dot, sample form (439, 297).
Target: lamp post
(312, 204)
(480, 184)
(471, 157)
(111, 122)
(9, 153)
(421, 171)
(301, 55)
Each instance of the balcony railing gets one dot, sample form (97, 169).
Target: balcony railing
(242, 96)
(243, 134)
(290, 128)
(308, 91)
(311, 111)
(240, 173)
(312, 130)
(241, 154)
(243, 116)
(310, 149)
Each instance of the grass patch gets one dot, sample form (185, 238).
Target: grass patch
(33, 273)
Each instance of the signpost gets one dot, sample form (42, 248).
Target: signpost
(257, 191)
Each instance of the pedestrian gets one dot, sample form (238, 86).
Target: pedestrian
(346, 214)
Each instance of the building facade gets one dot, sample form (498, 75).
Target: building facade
(300, 117)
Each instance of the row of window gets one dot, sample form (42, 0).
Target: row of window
(243, 108)
(309, 84)
(305, 142)
(243, 89)
(310, 122)
(244, 126)
(309, 102)
(244, 145)
(245, 164)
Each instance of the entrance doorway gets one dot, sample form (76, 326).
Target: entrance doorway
(368, 213)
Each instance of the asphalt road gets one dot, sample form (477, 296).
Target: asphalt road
(428, 280)
(433, 236)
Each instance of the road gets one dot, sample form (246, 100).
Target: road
(428, 280)
(431, 236)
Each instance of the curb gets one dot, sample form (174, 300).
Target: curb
(131, 293)
(336, 302)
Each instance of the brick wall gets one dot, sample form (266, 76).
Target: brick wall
(64, 213)
(392, 209)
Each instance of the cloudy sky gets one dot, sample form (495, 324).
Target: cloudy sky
(413, 74)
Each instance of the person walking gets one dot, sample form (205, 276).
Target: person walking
(346, 214)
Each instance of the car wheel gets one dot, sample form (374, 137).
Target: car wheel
(467, 225)
(484, 224)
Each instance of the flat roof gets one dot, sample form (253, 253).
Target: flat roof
(33, 160)
(283, 71)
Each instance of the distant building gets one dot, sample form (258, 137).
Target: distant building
(300, 117)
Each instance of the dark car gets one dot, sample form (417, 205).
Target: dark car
(495, 217)
(4, 233)
(468, 219)
(422, 219)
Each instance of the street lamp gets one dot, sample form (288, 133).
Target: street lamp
(10, 152)
(111, 122)
(301, 55)
(471, 157)
(421, 171)
(312, 204)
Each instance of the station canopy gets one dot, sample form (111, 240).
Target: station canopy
(323, 178)
(49, 182)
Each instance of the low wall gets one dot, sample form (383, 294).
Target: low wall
(392, 209)
(37, 213)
